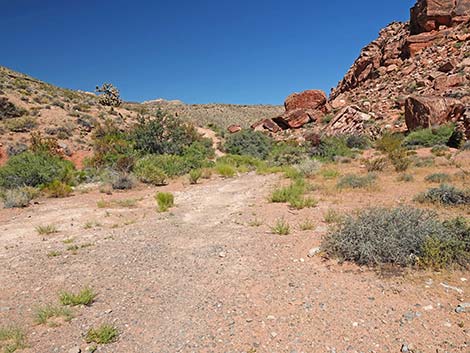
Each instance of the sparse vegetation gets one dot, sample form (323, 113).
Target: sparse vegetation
(58, 189)
(46, 229)
(12, 339)
(165, 201)
(438, 178)
(148, 171)
(43, 315)
(195, 175)
(103, 334)
(332, 216)
(405, 178)
(354, 181)
(376, 164)
(429, 137)
(85, 297)
(281, 227)
(331, 147)
(308, 224)
(16, 198)
(225, 170)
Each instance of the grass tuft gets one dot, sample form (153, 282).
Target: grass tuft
(103, 334)
(12, 339)
(165, 201)
(85, 297)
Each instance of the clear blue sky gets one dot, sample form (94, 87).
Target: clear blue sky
(234, 51)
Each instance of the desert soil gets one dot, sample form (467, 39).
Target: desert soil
(210, 277)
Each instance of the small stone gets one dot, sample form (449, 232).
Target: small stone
(314, 251)
(271, 318)
(462, 308)
(404, 349)
(249, 319)
(355, 324)
(273, 334)
(428, 307)
(222, 254)
(74, 350)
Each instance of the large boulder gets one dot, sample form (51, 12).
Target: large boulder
(294, 119)
(428, 15)
(425, 112)
(311, 99)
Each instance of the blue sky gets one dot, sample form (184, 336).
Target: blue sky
(243, 51)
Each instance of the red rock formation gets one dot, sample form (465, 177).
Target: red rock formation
(311, 99)
(425, 112)
(234, 129)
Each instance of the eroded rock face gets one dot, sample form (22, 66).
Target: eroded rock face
(425, 112)
(351, 120)
(429, 15)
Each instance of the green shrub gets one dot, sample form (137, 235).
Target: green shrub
(286, 194)
(23, 124)
(225, 170)
(405, 177)
(241, 162)
(103, 334)
(85, 297)
(308, 167)
(402, 236)
(16, 198)
(331, 147)
(165, 201)
(359, 141)
(195, 175)
(286, 154)
(198, 153)
(439, 150)
(58, 189)
(356, 181)
(400, 160)
(281, 227)
(163, 134)
(12, 339)
(438, 178)
(376, 164)
(389, 142)
(250, 143)
(148, 171)
(445, 195)
(429, 137)
(34, 169)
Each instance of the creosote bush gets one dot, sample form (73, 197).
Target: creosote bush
(429, 137)
(16, 198)
(402, 236)
(165, 201)
(34, 169)
(250, 143)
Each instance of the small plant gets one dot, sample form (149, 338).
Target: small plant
(400, 160)
(85, 297)
(195, 175)
(58, 189)
(308, 224)
(122, 181)
(389, 142)
(439, 150)
(405, 178)
(303, 202)
(54, 253)
(332, 216)
(358, 141)
(308, 167)
(225, 170)
(376, 164)
(438, 178)
(45, 313)
(329, 173)
(423, 162)
(23, 124)
(12, 339)
(356, 181)
(16, 198)
(103, 204)
(165, 201)
(445, 195)
(103, 334)
(255, 223)
(331, 147)
(281, 227)
(47, 229)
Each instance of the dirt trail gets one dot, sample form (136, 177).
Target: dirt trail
(201, 279)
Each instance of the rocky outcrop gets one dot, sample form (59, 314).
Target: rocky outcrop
(425, 112)
(351, 120)
(430, 15)
(311, 99)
